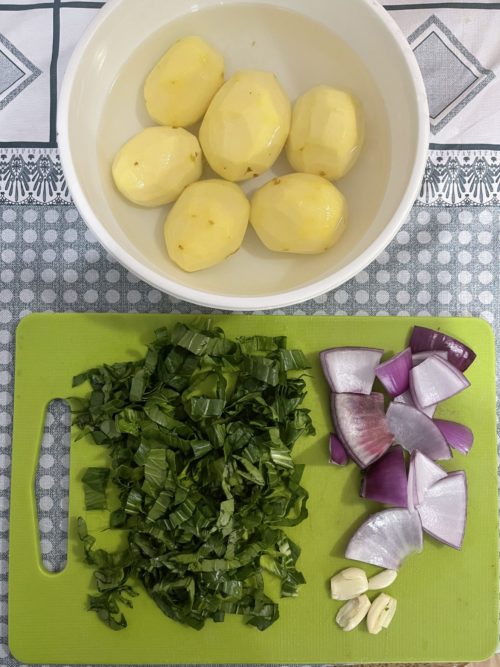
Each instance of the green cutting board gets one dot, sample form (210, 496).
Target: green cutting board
(447, 599)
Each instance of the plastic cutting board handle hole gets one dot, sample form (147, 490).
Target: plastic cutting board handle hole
(52, 484)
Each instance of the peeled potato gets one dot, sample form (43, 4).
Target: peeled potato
(299, 213)
(179, 88)
(246, 125)
(206, 224)
(155, 166)
(326, 134)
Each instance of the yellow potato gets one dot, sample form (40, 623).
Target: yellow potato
(155, 166)
(206, 224)
(179, 88)
(246, 125)
(299, 213)
(326, 134)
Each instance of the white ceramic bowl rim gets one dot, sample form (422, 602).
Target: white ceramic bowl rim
(239, 303)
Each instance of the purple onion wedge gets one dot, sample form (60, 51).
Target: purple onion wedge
(361, 426)
(386, 538)
(350, 370)
(435, 380)
(338, 454)
(458, 436)
(407, 399)
(424, 339)
(444, 510)
(385, 480)
(394, 373)
(414, 430)
(425, 474)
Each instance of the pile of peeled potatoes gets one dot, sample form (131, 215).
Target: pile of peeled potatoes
(245, 124)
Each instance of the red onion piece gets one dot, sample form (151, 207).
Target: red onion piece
(418, 357)
(424, 339)
(444, 510)
(407, 399)
(414, 430)
(385, 480)
(338, 454)
(435, 380)
(361, 426)
(386, 538)
(425, 474)
(350, 370)
(411, 491)
(394, 374)
(458, 436)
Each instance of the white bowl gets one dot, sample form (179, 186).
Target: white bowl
(351, 44)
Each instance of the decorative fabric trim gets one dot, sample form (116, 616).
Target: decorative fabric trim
(461, 178)
(452, 178)
(32, 176)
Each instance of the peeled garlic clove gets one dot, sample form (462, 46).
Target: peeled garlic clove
(353, 612)
(381, 613)
(382, 580)
(348, 584)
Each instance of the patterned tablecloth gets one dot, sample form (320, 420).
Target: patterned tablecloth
(444, 261)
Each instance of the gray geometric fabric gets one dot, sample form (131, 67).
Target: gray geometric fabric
(452, 75)
(59, 264)
(16, 71)
(446, 83)
(9, 73)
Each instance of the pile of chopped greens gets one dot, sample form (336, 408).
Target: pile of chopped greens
(199, 435)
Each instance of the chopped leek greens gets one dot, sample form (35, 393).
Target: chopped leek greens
(199, 435)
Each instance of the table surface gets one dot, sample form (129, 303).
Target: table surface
(444, 261)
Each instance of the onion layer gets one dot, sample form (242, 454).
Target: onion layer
(407, 399)
(424, 339)
(414, 430)
(418, 357)
(385, 480)
(350, 370)
(458, 436)
(411, 493)
(386, 538)
(394, 374)
(425, 474)
(361, 426)
(435, 380)
(338, 454)
(444, 510)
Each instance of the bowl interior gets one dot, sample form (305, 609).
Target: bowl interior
(326, 42)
